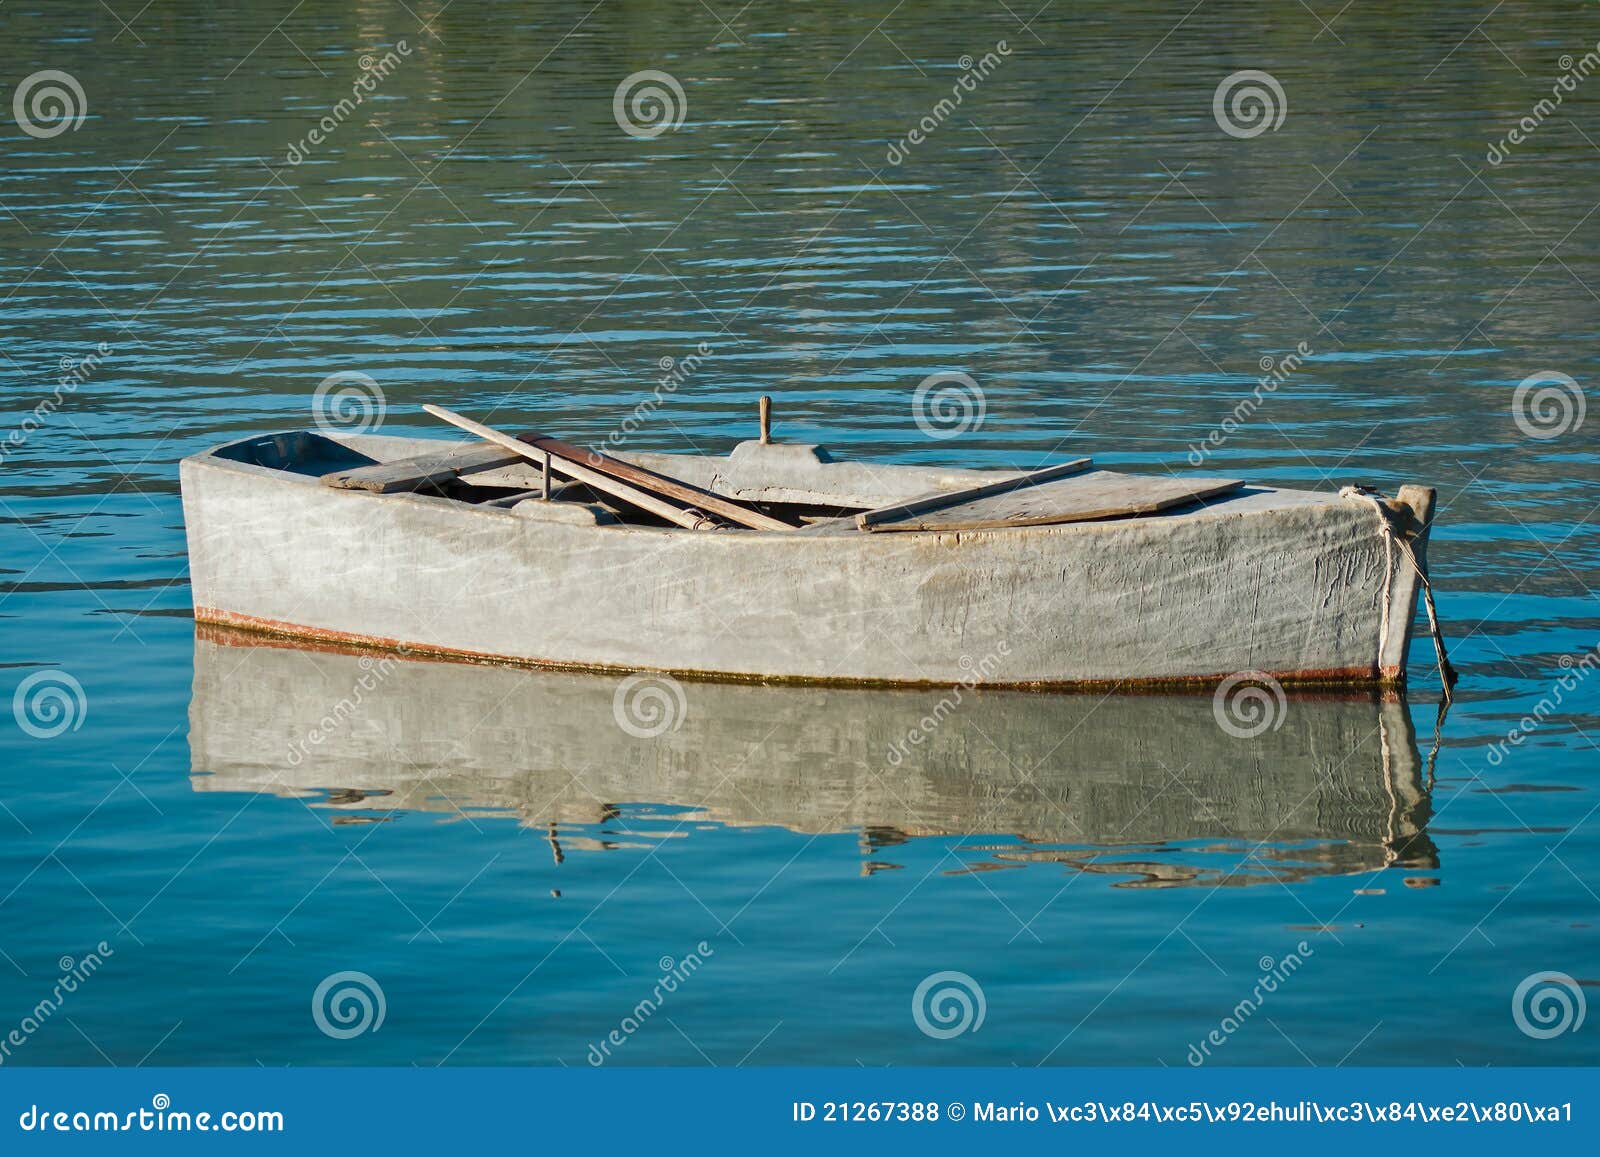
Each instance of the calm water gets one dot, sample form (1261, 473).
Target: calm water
(1083, 238)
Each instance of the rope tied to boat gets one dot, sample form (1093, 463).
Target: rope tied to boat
(1395, 535)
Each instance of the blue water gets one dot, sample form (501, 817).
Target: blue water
(1083, 238)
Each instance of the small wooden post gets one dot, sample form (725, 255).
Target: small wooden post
(545, 484)
(766, 420)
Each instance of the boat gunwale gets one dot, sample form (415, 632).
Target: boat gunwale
(831, 528)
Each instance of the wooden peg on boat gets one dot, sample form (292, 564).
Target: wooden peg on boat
(545, 482)
(766, 420)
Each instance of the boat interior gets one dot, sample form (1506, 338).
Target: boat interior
(761, 485)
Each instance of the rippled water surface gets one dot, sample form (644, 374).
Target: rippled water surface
(1083, 237)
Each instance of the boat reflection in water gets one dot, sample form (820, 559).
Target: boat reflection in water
(1148, 790)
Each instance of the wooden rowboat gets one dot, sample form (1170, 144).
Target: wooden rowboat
(777, 562)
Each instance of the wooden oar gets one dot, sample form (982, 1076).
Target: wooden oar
(868, 519)
(688, 519)
(658, 483)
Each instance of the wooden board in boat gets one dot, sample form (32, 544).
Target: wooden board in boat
(410, 474)
(1080, 498)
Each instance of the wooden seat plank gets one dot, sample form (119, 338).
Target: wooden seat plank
(868, 519)
(1090, 497)
(425, 470)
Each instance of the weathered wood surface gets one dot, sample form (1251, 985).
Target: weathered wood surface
(868, 519)
(1283, 581)
(1083, 498)
(729, 508)
(688, 519)
(423, 471)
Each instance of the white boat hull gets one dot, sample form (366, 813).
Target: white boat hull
(1297, 585)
